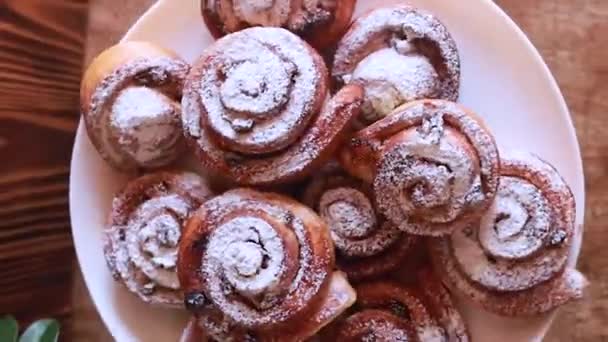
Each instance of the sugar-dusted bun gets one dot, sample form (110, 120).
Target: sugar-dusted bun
(130, 101)
(260, 264)
(387, 311)
(398, 54)
(367, 245)
(144, 230)
(513, 260)
(319, 22)
(433, 164)
(257, 109)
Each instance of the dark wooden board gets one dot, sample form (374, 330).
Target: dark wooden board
(41, 56)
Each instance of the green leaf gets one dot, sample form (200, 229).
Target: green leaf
(8, 329)
(44, 330)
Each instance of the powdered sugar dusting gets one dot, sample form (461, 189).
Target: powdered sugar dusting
(391, 78)
(297, 17)
(313, 147)
(145, 232)
(431, 334)
(557, 291)
(518, 223)
(438, 298)
(387, 309)
(282, 287)
(429, 68)
(349, 211)
(521, 269)
(258, 88)
(524, 256)
(147, 124)
(365, 250)
(353, 223)
(130, 120)
(349, 222)
(152, 236)
(437, 170)
(374, 325)
(262, 12)
(238, 248)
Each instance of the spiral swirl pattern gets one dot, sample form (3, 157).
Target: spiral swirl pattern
(367, 245)
(256, 107)
(399, 54)
(259, 90)
(130, 100)
(433, 165)
(386, 311)
(351, 218)
(320, 22)
(520, 245)
(142, 239)
(260, 259)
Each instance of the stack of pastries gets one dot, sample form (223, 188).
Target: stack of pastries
(344, 191)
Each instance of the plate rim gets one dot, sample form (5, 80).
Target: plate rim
(541, 65)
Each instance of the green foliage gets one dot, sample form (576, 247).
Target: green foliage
(9, 328)
(44, 330)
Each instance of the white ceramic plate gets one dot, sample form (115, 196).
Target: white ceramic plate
(503, 79)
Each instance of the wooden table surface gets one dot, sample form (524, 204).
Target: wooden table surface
(571, 36)
(41, 58)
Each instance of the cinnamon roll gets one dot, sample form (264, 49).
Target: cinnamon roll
(513, 260)
(367, 245)
(130, 101)
(399, 54)
(387, 311)
(144, 230)
(257, 110)
(320, 22)
(260, 265)
(432, 163)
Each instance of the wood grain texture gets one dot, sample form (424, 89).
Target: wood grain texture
(41, 53)
(571, 36)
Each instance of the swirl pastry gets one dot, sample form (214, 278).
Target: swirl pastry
(433, 165)
(260, 265)
(144, 230)
(367, 245)
(320, 22)
(513, 261)
(130, 101)
(386, 311)
(257, 111)
(399, 54)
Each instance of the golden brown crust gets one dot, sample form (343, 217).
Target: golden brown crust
(513, 261)
(339, 297)
(114, 57)
(366, 244)
(129, 100)
(281, 133)
(144, 226)
(324, 36)
(321, 26)
(433, 164)
(442, 307)
(375, 325)
(264, 262)
(392, 312)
